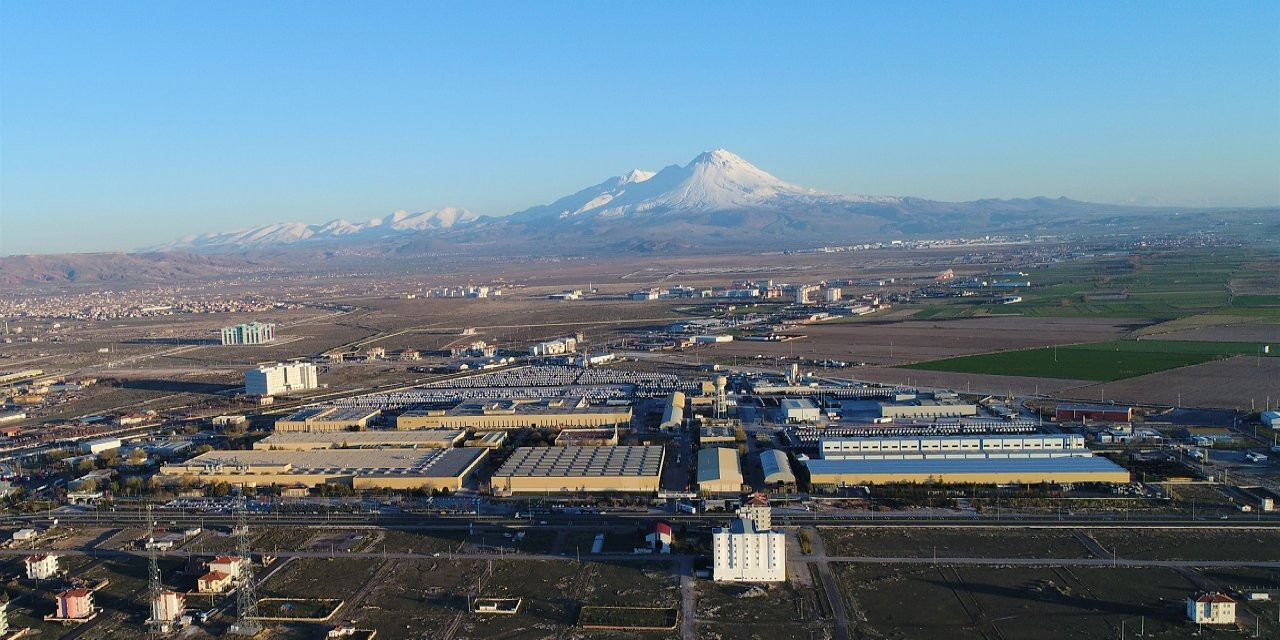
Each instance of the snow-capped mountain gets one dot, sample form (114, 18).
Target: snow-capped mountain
(718, 200)
(714, 181)
(292, 233)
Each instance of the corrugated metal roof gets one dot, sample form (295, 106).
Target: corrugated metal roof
(775, 466)
(963, 465)
(718, 464)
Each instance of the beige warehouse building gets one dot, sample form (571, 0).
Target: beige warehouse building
(719, 470)
(359, 468)
(580, 470)
(516, 414)
(321, 419)
(304, 441)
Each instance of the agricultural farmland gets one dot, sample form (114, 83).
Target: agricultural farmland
(1098, 361)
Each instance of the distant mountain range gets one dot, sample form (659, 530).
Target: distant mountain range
(399, 223)
(717, 200)
(718, 203)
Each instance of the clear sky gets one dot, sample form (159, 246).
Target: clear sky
(124, 124)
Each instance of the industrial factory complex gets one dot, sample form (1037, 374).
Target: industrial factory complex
(558, 430)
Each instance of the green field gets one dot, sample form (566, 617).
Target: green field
(1161, 285)
(1099, 361)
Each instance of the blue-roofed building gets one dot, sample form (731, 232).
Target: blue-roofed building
(1022, 470)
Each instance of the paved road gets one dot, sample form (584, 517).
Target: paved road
(646, 558)
(560, 521)
(829, 585)
(1061, 562)
(688, 628)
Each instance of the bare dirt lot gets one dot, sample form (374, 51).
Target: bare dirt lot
(945, 543)
(1260, 332)
(1234, 383)
(966, 382)
(1191, 545)
(891, 342)
(1022, 602)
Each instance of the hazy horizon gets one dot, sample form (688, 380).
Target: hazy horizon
(123, 126)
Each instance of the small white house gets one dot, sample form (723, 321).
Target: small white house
(659, 537)
(1211, 608)
(25, 535)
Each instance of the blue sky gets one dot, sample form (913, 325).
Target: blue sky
(133, 123)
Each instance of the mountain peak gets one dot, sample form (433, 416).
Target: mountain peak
(723, 156)
(635, 176)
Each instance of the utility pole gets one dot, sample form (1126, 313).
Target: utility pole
(246, 623)
(153, 573)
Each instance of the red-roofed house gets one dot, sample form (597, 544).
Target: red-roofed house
(659, 537)
(42, 566)
(227, 564)
(1211, 608)
(214, 582)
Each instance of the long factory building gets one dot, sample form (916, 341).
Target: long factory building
(359, 468)
(1027, 459)
(517, 413)
(628, 469)
(321, 419)
(309, 441)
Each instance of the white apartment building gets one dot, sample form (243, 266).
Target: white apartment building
(277, 379)
(42, 567)
(748, 550)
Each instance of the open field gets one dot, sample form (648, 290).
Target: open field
(974, 382)
(318, 578)
(1153, 285)
(1255, 332)
(1190, 545)
(894, 342)
(1212, 326)
(759, 611)
(413, 596)
(1103, 361)
(628, 617)
(944, 543)
(1234, 383)
(1017, 602)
